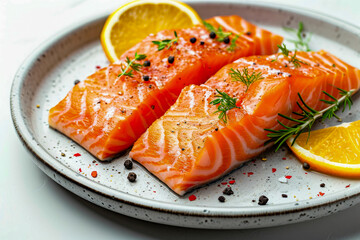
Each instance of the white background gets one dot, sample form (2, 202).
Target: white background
(32, 206)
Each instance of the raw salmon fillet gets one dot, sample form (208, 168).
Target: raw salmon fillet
(189, 145)
(106, 114)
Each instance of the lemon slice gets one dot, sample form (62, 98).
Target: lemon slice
(134, 21)
(333, 150)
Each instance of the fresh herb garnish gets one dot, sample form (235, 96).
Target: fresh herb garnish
(302, 42)
(308, 117)
(286, 53)
(221, 35)
(233, 43)
(166, 43)
(132, 64)
(245, 77)
(226, 103)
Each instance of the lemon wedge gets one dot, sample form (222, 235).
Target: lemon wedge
(333, 150)
(135, 20)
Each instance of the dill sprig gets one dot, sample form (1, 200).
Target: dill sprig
(166, 43)
(221, 35)
(132, 64)
(226, 103)
(308, 117)
(302, 41)
(286, 53)
(233, 43)
(245, 77)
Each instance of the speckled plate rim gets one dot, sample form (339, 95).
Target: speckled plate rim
(35, 148)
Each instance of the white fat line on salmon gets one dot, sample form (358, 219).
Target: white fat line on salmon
(342, 67)
(140, 92)
(244, 145)
(206, 102)
(260, 35)
(250, 133)
(67, 107)
(107, 77)
(88, 130)
(205, 162)
(192, 98)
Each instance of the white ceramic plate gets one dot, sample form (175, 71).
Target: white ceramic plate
(46, 76)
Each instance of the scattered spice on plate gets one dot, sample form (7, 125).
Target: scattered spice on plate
(128, 164)
(228, 191)
(94, 174)
(38, 106)
(306, 166)
(263, 200)
(77, 155)
(264, 159)
(288, 177)
(76, 82)
(80, 170)
(283, 180)
(287, 167)
(98, 67)
(231, 182)
(321, 194)
(284, 158)
(273, 170)
(192, 197)
(347, 186)
(284, 195)
(63, 154)
(223, 183)
(250, 173)
(193, 40)
(221, 199)
(322, 185)
(131, 177)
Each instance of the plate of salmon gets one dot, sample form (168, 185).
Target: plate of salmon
(194, 133)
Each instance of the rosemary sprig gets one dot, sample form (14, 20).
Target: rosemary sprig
(308, 117)
(221, 35)
(293, 59)
(133, 65)
(245, 77)
(166, 43)
(226, 103)
(302, 42)
(233, 44)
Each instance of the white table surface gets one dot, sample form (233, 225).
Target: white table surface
(32, 206)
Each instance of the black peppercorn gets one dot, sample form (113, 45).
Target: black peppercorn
(221, 199)
(193, 40)
(228, 191)
(284, 195)
(212, 35)
(146, 63)
(76, 82)
(263, 200)
(171, 59)
(132, 177)
(202, 43)
(306, 166)
(226, 40)
(146, 78)
(248, 33)
(322, 185)
(128, 164)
